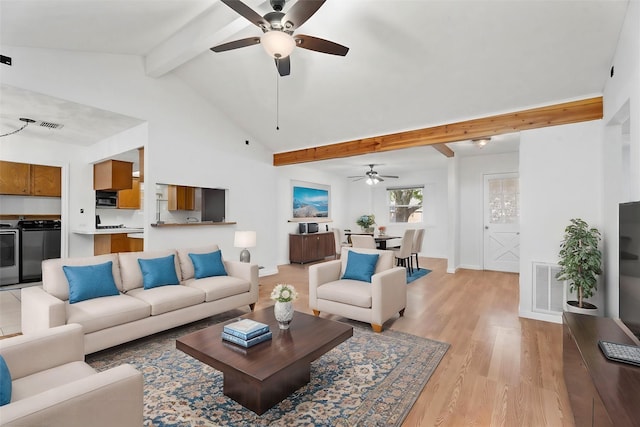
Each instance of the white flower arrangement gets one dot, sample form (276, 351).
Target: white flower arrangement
(284, 293)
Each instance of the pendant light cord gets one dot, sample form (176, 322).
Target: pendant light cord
(26, 123)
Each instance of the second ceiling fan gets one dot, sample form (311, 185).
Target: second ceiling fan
(278, 27)
(372, 176)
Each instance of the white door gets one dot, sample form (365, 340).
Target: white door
(502, 222)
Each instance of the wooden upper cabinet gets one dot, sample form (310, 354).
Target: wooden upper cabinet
(181, 198)
(14, 178)
(46, 181)
(112, 175)
(130, 199)
(141, 162)
(24, 179)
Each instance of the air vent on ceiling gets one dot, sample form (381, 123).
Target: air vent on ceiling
(51, 125)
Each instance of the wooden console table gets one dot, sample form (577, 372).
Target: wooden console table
(311, 247)
(601, 392)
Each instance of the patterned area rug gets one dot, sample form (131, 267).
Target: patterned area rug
(369, 380)
(417, 274)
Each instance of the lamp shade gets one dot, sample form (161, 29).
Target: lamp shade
(244, 239)
(278, 44)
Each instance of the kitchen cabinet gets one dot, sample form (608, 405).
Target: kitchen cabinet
(130, 199)
(181, 198)
(114, 243)
(25, 179)
(46, 181)
(14, 178)
(305, 248)
(141, 162)
(112, 175)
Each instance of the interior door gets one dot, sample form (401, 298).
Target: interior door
(502, 222)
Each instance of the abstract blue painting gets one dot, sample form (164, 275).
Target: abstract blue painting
(310, 202)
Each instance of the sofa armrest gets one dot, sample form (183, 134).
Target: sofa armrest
(41, 310)
(388, 293)
(246, 271)
(110, 398)
(319, 274)
(28, 354)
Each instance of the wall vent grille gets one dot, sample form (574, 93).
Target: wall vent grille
(548, 292)
(51, 125)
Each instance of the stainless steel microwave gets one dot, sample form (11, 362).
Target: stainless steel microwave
(106, 199)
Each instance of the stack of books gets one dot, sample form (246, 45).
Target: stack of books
(246, 332)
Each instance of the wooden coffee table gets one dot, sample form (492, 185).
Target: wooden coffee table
(263, 375)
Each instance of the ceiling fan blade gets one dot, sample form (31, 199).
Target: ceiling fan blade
(300, 13)
(358, 179)
(236, 44)
(247, 13)
(320, 45)
(283, 65)
(389, 176)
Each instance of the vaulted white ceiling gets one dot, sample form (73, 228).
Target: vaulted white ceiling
(412, 63)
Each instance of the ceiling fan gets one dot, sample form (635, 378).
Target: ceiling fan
(372, 176)
(278, 27)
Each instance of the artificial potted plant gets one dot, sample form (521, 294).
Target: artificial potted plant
(366, 222)
(580, 264)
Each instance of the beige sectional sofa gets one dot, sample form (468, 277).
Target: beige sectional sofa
(136, 312)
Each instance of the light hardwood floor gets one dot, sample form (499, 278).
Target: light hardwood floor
(500, 370)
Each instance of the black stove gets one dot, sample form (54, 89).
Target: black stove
(39, 224)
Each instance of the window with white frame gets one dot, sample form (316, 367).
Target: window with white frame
(405, 204)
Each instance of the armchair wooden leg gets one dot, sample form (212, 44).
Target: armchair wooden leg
(252, 306)
(316, 313)
(402, 312)
(376, 328)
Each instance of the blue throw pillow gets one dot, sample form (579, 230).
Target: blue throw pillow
(5, 383)
(360, 266)
(208, 265)
(90, 281)
(158, 272)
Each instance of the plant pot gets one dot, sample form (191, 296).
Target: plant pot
(588, 308)
(367, 229)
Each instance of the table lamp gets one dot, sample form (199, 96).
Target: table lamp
(244, 240)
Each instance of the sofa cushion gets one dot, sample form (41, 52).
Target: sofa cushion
(50, 378)
(360, 266)
(219, 287)
(158, 271)
(386, 259)
(130, 268)
(101, 313)
(346, 291)
(186, 265)
(5, 382)
(168, 298)
(90, 281)
(208, 265)
(54, 281)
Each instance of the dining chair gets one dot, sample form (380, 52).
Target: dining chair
(337, 237)
(364, 241)
(417, 245)
(403, 255)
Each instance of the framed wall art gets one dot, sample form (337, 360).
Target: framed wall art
(310, 201)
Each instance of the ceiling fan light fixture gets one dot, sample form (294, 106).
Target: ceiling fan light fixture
(481, 142)
(277, 44)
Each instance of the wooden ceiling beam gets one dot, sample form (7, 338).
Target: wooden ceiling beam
(443, 149)
(552, 115)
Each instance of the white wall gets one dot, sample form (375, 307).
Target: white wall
(561, 178)
(621, 154)
(471, 189)
(299, 174)
(189, 142)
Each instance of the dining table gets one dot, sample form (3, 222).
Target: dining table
(381, 239)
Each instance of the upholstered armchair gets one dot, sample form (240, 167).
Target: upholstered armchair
(372, 302)
(51, 385)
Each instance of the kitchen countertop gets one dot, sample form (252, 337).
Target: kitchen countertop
(94, 231)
